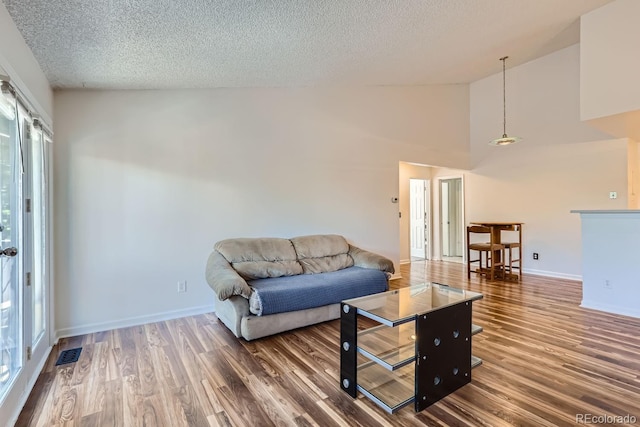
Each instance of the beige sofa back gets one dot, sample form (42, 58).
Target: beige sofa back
(260, 258)
(322, 253)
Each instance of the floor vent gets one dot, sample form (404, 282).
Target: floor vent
(69, 356)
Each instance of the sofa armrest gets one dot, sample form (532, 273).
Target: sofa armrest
(366, 259)
(223, 279)
(231, 312)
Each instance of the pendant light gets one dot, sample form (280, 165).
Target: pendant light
(505, 140)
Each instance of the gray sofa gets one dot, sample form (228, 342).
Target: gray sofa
(264, 286)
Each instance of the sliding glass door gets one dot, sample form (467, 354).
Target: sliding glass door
(11, 325)
(24, 315)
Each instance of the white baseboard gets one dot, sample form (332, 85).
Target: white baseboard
(614, 309)
(405, 261)
(396, 276)
(553, 274)
(132, 321)
(31, 382)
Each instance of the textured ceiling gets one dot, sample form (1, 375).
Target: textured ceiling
(122, 44)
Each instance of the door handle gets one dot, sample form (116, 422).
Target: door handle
(10, 252)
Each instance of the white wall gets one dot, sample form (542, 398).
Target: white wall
(611, 242)
(561, 164)
(609, 68)
(147, 182)
(17, 60)
(610, 64)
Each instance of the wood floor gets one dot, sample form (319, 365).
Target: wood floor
(545, 361)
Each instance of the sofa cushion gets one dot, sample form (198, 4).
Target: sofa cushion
(322, 253)
(259, 258)
(305, 291)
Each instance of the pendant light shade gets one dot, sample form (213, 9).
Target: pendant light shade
(505, 139)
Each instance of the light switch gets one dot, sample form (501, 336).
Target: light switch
(613, 195)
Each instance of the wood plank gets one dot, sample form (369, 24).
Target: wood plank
(280, 411)
(112, 414)
(193, 414)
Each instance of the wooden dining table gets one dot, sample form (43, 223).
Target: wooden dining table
(497, 227)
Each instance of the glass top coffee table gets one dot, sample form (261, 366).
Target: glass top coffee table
(419, 352)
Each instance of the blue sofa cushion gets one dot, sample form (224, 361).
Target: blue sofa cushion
(291, 293)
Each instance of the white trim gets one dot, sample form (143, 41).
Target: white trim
(405, 261)
(614, 309)
(396, 276)
(133, 321)
(553, 274)
(30, 98)
(22, 399)
(606, 211)
(51, 331)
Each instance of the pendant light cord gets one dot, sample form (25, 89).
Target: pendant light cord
(505, 140)
(504, 97)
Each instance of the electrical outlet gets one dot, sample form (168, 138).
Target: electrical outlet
(613, 194)
(535, 255)
(182, 286)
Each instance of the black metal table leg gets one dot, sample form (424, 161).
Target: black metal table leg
(348, 349)
(443, 352)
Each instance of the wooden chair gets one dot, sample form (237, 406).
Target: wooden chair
(509, 246)
(489, 249)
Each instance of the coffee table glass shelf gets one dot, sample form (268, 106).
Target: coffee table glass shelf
(419, 353)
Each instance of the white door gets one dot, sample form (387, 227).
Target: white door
(24, 316)
(34, 254)
(445, 220)
(418, 225)
(452, 218)
(11, 313)
(455, 215)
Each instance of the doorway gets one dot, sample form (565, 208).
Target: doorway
(451, 219)
(419, 206)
